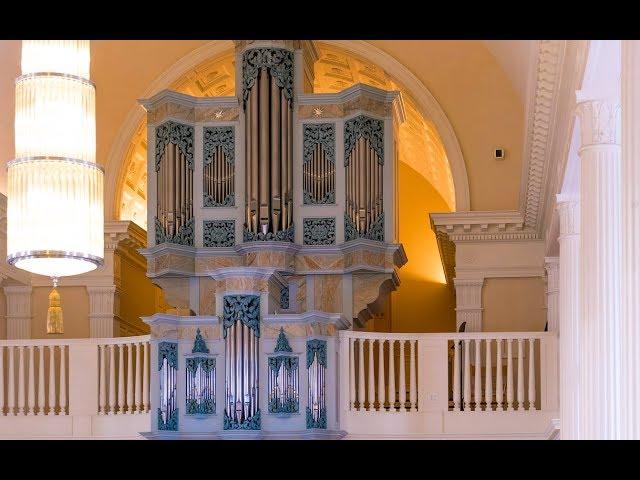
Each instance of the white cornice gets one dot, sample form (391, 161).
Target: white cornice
(170, 96)
(482, 226)
(310, 316)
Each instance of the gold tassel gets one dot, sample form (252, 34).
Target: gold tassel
(54, 312)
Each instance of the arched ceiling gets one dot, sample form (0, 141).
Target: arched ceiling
(419, 144)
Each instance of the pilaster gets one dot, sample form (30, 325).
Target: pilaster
(630, 224)
(469, 303)
(18, 312)
(569, 321)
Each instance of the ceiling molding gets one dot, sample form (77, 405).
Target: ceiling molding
(540, 128)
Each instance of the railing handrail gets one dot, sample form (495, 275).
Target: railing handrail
(444, 336)
(26, 342)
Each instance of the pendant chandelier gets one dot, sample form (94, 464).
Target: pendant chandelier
(55, 217)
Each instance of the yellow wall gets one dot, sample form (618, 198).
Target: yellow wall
(483, 107)
(513, 305)
(75, 310)
(138, 297)
(423, 302)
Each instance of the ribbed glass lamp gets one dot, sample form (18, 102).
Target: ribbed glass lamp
(55, 213)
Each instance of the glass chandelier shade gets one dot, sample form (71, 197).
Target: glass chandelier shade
(55, 213)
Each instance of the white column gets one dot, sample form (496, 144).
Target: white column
(600, 246)
(469, 303)
(630, 223)
(102, 322)
(569, 314)
(18, 311)
(551, 265)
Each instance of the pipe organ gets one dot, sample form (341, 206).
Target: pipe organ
(219, 168)
(267, 101)
(174, 183)
(364, 162)
(261, 298)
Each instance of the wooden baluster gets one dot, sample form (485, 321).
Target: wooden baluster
(40, 380)
(21, 401)
(1, 381)
(456, 375)
(392, 376)
(371, 379)
(52, 381)
(477, 394)
(488, 381)
(413, 387)
(63, 380)
(402, 387)
(130, 374)
(121, 378)
(509, 375)
(352, 374)
(102, 399)
(499, 397)
(112, 380)
(138, 398)
(145, 378)
(532, 375)
(31, 392)
(380, 375)
(11, 392)
(360, 374)
(467, 376)
(520, 375)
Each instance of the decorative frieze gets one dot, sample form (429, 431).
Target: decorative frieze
(277, 60)
(370, 129)
(319, 231)
(219, 233)
(280, 236)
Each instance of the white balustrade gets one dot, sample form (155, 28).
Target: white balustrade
(474, 371)
(40, 386)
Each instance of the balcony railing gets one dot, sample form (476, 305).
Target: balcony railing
(66, 388)
(447, 384)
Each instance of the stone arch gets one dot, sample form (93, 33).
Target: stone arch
(424, 102)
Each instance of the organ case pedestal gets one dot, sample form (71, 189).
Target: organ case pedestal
(282, 201)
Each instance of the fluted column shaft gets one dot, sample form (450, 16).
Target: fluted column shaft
(630, 224)
(569, 314)
(600, 247)
(469, 303)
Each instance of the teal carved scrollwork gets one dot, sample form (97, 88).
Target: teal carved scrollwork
(245, 308)
(199, 345)
(278, 61)
(317, 348)
(172, 421)
(319, 231)
(284, 297)
(252, 423)
(368, 128)
(281, 236)
(320, 422)
(375, 232)
(282, 344)
(183, 237)
(168, 350)
(219, 233)
(177, 134)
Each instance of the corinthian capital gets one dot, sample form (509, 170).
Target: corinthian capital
(600, 120)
